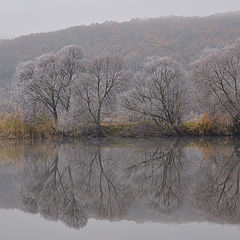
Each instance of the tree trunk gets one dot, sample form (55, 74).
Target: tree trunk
(99, 130)
(176, 129)
(55, 116)
(236, 126)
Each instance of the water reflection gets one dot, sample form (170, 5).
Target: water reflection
(50, 191)
(218, 194)
(160, 176)
(173, 180)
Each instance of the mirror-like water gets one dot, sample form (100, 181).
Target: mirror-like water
(121, 189)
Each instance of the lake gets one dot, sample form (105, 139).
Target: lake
(168, 188)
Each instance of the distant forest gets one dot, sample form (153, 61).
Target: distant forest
(182, 38)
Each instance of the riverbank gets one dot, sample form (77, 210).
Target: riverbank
(13, 127)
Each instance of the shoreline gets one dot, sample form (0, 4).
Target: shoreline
(133, 130)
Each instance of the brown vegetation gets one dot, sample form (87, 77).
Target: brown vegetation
(13, 126)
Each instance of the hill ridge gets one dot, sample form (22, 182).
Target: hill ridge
(182, 38)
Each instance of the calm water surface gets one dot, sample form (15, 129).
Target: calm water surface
(120, 189)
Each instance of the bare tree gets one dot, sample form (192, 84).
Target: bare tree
(98, 87)
(158, 92)
(47, 80)
(216, 75)
(70, 63)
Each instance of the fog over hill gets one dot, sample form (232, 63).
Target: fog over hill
(183, 38)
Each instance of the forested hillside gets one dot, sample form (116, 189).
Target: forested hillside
(182, 38)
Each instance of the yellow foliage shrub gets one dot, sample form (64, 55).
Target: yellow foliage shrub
(12, 126)
(208, 125)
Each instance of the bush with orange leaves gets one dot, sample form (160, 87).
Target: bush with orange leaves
(210, 125)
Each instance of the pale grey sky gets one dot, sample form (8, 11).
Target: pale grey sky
(18, 17)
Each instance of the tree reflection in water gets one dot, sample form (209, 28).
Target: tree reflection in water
(74, 181)
(160, 177)
(51, 194)
(218, 194)
(107, 193)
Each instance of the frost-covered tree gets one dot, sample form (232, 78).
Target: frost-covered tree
(47, 81)
(216, 75)
(96, 90)
(158, 92)
(70, 62)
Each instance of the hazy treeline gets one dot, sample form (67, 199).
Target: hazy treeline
(182, 38)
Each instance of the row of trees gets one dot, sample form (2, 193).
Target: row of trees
(65, 83)
(89, 90)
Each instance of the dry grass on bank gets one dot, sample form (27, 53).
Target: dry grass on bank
(12, 126)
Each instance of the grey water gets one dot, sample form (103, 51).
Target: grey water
(173, 188)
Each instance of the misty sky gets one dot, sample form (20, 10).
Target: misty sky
(18, 17)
